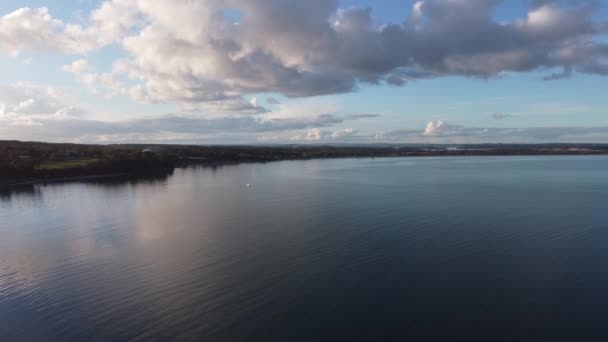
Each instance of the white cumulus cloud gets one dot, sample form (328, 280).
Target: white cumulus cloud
(435, 127)
(191, 54)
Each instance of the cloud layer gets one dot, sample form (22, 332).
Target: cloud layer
(37, 113)
(220, 55)
(442, 132)
(210, 60)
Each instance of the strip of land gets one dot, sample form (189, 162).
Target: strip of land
(31, 162)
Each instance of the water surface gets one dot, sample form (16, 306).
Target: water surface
(350, 249)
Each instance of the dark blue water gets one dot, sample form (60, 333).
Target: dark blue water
(506, 248)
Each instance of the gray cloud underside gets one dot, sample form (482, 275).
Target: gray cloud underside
(272, 101)
(501, 116)
(312, 47)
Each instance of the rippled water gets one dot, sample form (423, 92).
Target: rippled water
(347, 249)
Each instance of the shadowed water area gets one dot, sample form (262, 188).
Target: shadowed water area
(348, 249)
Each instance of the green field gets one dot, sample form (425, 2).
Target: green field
(66, 164)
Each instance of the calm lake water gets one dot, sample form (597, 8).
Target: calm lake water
(321, 250)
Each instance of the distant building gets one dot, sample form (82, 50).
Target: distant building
(147, 150)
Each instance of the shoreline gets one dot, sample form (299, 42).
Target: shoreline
(28, 182)
(15, 183)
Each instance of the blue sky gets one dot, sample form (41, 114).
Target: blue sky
(119, 86)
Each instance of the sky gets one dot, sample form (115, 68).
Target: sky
(315, 71)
